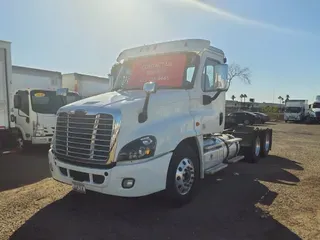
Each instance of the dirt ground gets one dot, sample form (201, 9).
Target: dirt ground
(278, 198)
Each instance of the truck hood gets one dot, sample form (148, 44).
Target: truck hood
(130, 103)
(109, 99)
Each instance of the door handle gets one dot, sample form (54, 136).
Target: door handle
(220, 118)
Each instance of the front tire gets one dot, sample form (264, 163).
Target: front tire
(183, 175)
(22, 145)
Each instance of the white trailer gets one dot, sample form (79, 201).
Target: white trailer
(296, 110)
(161, 128)
(6, 117)
(36, 103)
(86, 85)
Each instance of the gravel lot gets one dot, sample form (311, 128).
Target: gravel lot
(279, 198)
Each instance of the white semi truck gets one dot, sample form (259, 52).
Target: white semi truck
(161, 128)
(296, 110)
(36, 104)
(86, 85)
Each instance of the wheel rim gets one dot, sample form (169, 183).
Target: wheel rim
(20, 143)
(257, 146)
(267, 143)
(184, 178)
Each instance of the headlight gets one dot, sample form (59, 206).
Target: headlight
(141, 148)
(40, 132)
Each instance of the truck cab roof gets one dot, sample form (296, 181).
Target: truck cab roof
(185, 45)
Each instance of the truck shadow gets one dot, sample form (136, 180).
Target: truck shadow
(20, 169)
(224, 209)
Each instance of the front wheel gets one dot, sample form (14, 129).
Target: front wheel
(22, 145)
(183, 175)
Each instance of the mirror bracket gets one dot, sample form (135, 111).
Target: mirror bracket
(148, 87)
(206, 99)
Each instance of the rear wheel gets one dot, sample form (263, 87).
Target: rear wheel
(265, 144)
(252, 153)
(183, 175)
(246, 122)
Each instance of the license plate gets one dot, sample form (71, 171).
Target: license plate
(78, 187)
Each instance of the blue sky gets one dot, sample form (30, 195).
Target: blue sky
(277, 40)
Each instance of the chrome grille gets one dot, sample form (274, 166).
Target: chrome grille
(83, 138)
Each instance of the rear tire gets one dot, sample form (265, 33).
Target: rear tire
(265, 143)
(183, 175)
(252, 153)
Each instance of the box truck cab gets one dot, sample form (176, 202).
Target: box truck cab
(296, 110)
(36, 103)
(35, 111)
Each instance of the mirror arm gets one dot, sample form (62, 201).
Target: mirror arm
(214, 97)
(143, 116)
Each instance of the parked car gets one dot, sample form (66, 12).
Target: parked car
(264, 117)
(244, 117)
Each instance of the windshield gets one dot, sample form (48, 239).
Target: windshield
(293, 109)
(174, 70)
(316, 105)
(47, 102)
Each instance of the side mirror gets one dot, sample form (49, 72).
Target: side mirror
(150, 87)
(206, 100)
(62, 92)
(17, 102)
(221, 77)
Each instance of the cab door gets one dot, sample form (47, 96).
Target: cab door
(213, 113)
(23, 114)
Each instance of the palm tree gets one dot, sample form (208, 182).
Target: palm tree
(280, 99)
(241, 97)
(233, 97)
(245, 96)
(287, 97)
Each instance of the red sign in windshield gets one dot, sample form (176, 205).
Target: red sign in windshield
(166, 70)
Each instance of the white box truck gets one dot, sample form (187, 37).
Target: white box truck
(86, 85)
(36, 103)
(161, 128)
(7, 122)
(296, 110)
(315, 109)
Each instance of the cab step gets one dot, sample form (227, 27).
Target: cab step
(215, 169)
(235, 159)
